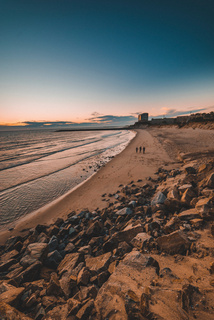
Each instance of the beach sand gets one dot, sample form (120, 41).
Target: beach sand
(163, 146)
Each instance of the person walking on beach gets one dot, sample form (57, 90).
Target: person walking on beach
(144, 149)
(140, 149)
(137, 150)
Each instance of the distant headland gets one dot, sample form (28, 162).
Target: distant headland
(193, 120)
(143, 119)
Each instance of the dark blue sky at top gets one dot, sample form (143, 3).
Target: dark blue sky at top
(129, 45)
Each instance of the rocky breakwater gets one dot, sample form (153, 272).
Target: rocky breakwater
(147, 255)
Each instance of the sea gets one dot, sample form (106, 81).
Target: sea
(38, 166)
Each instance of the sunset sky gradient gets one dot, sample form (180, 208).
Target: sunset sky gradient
(76, 61)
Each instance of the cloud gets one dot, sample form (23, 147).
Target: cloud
(136, 113)
(96, 114)
(113, 120)
(97, 121)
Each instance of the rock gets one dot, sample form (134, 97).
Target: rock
(189, 214)
(132, 204)
(128, 233)
(69, 248)
(12, 296)
(54, 288)
(212, 230)
(85, 250)
(53, 259)
(37, 250)
(42, 238)
(154, 225)
(41, 228)
(184, 187)
(5, 265)
(110, 245)
(133, 273)
(18, 246)
(123, 212)
(27, 261)
(159, 198)
(95, 229)
(190, 170)
(53, 231)
(83, 277)
(84, 312)
(9, 255)
(102, 278)
(173, 205)
(14, 273)
(98, 264)
(210, 181)
(175, 242)
(49, 302)
(187, 196)
(40, 314)
(72, 231)
(140, 240)
(60, 312)
(11, 242)
(197, 223)
(59, 222)
(172, 225)
(53, 243)
(86, 293)
(29, 274)
(32, 301)
(173, 194)
(9, 313)
(68, 280)
(70, 261)
(123, 248)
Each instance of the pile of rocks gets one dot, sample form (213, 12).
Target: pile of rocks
(119, 262)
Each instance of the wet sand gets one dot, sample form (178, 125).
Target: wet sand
(163, 145)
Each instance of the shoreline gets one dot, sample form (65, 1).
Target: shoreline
(127, 166)
(31, 217)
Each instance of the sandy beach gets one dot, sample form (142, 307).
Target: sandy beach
(135, 241)
(163, 147)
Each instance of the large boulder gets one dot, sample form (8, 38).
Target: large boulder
(29, 274)
(37, 250)
(175, 242)
(172, 225)
(70, 261)
(99, 263)
(128, 233)
(189, 214)
(12, 296)
(140, 240)
(205, 207)
(94, 229)
(133, 273)
(9, 313)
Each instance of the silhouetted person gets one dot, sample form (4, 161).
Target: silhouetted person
(144, 149)
(140, 149)
(136, 149)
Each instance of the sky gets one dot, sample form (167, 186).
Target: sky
(84, 62)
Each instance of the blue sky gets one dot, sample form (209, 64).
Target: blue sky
(64, 61)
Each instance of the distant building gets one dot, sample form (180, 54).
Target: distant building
(143, 117)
